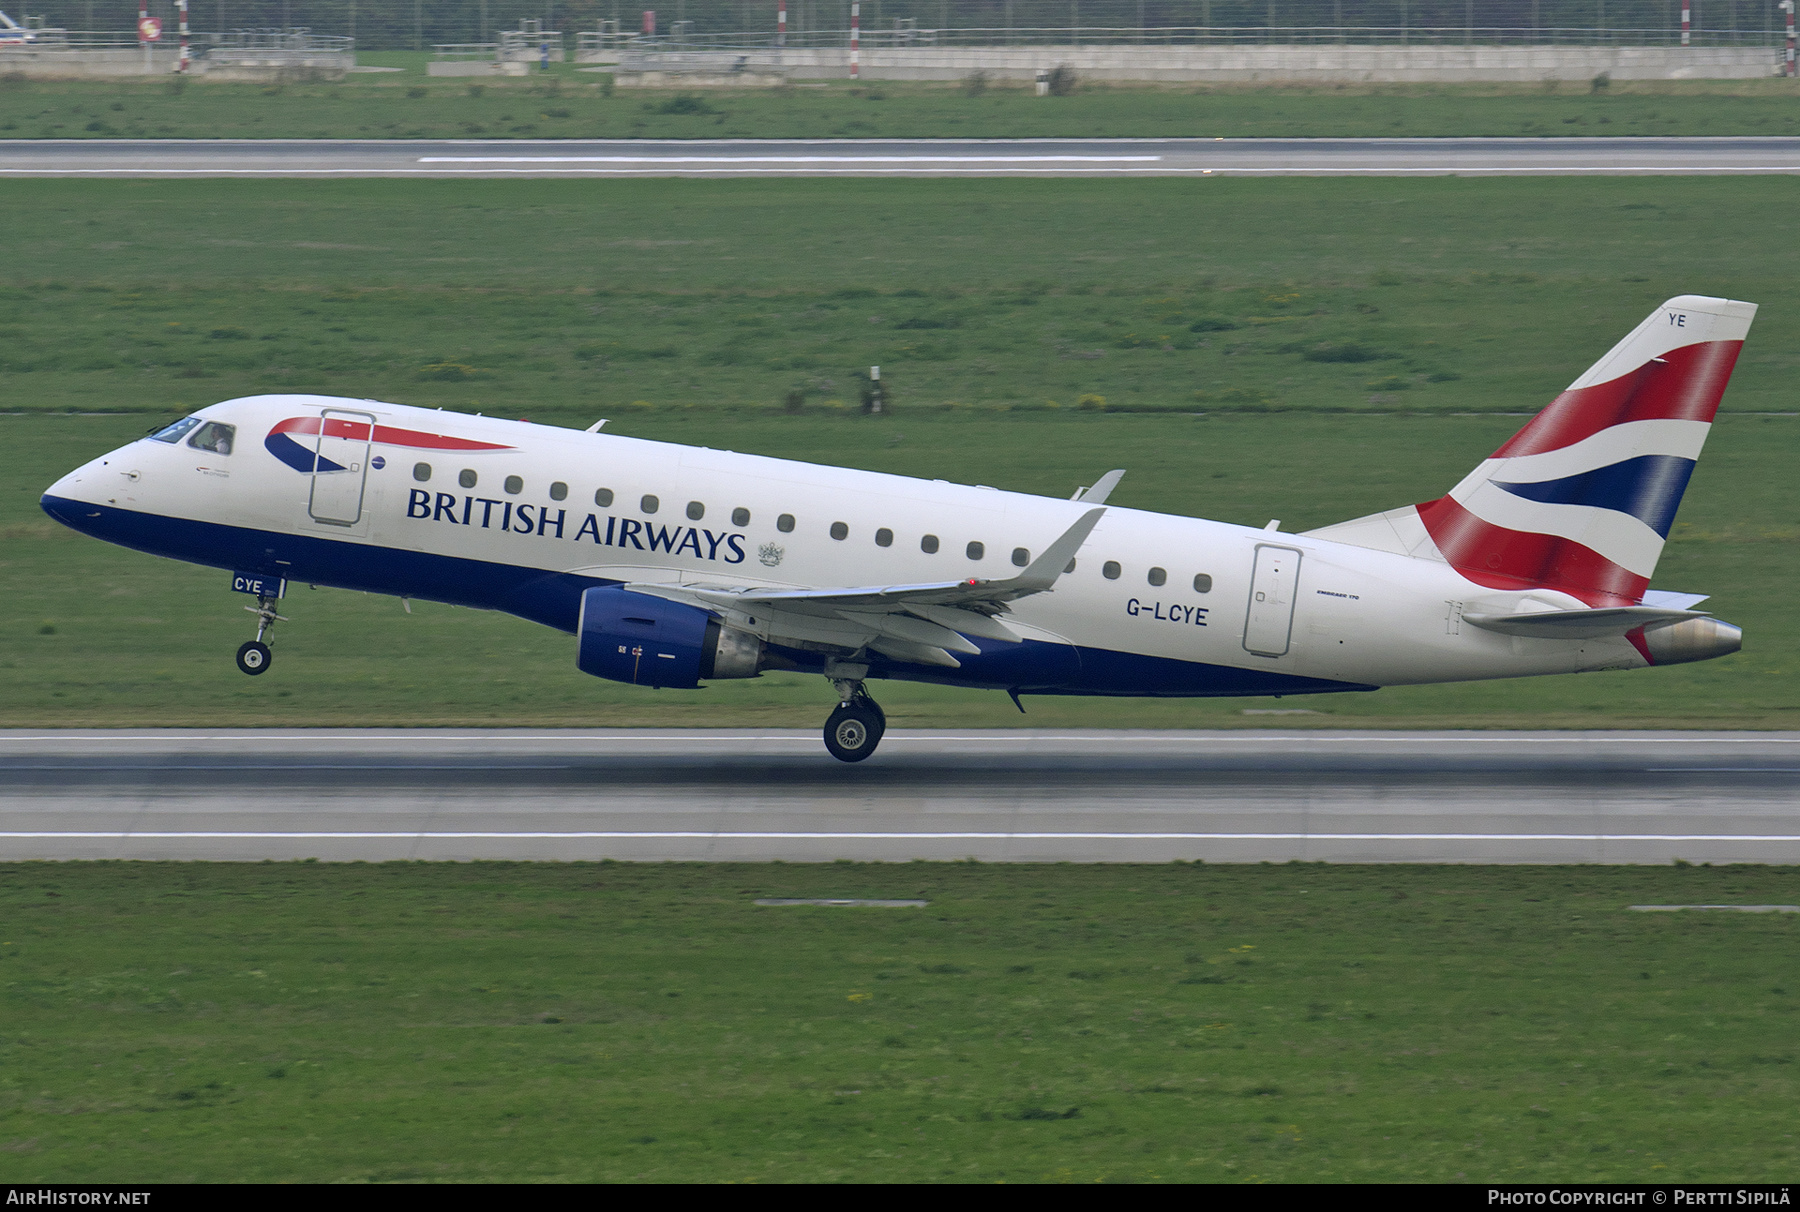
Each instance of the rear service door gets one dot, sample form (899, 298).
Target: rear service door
(1271, 616)
(341, 467)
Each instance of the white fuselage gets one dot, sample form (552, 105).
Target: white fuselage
(1356, 617)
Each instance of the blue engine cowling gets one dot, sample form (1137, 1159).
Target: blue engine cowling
(651, 641)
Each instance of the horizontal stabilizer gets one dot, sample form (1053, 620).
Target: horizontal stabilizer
(1669, 600)
(1580, 624)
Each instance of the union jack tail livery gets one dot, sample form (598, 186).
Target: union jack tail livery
(1581, 499)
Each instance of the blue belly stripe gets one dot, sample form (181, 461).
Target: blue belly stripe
(554, 599)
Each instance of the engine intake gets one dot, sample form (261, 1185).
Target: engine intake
(650, 641)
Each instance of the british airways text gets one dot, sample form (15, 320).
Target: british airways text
(604, 530)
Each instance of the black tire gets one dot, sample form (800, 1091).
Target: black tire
(852, 732)
(255, 658)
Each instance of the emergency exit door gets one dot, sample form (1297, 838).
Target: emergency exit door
(340, 467)
(1270, 620)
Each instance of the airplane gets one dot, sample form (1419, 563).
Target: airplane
(14, 34)
(675, 565)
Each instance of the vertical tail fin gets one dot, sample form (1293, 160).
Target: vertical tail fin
(1582, 498)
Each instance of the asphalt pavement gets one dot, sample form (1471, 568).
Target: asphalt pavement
(896, 157)
(1005, 795)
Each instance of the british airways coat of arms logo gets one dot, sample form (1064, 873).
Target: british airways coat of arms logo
(771, 553)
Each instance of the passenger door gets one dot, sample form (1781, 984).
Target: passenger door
(1270, 620)
(340, 467)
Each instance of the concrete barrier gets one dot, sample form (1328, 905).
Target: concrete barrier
(163, 61)
(689, 79)
(1248, 64)
(476, 67)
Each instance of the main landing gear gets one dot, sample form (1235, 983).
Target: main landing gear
(254, 657)
(856, 727)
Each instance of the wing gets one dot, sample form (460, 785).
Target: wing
(922, 623)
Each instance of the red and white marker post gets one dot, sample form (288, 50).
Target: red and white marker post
(149, 30)
(182, 67)
(1787, 66)
(855, 41)
(1687, 22)
(781, 24)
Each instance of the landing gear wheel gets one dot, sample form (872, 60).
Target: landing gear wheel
(853, 731)
(254, 657)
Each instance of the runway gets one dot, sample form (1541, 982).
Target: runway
(502, 158)
(1465, 797)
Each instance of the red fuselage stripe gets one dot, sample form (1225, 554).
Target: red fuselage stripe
(337, 427)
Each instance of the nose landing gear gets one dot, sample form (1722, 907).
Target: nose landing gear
(855, 728)
(254, 656)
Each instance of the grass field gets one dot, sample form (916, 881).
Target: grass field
(567, 104)
(984, 301)
(320, 1023)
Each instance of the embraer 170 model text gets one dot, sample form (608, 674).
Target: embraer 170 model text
(674, 565)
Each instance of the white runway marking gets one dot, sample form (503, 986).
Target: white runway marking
(286, 766)
(785, 159)
(810, 738)
(876, 171)
(759, 835)
(1722, 770)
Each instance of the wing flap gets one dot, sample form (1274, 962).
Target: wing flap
(968, 622)
(913, 630)
(923, 623)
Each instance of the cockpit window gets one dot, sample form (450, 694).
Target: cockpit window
(173, 433)
(214, 436)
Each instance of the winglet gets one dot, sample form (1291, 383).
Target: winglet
(1102, 488)
(1047, 567)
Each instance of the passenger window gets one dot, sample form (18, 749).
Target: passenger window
(173, 433)
(1202, 582)
(884, 537)
(696, 511)
(929, 544)
(839, 531)
(215, 437)
(514, 486)
(649, 504)
(466, 478)
(1110, 570)
(975, 551)
(785, 523)
(740, 516)
(603, 497)
(422, 472)
(559, 491)
(1158, 576)
(1021, 557)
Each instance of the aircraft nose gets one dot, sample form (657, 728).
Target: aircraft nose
(67, 499)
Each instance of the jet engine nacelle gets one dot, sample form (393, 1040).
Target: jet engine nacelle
(650, 641)
(1692, 640)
